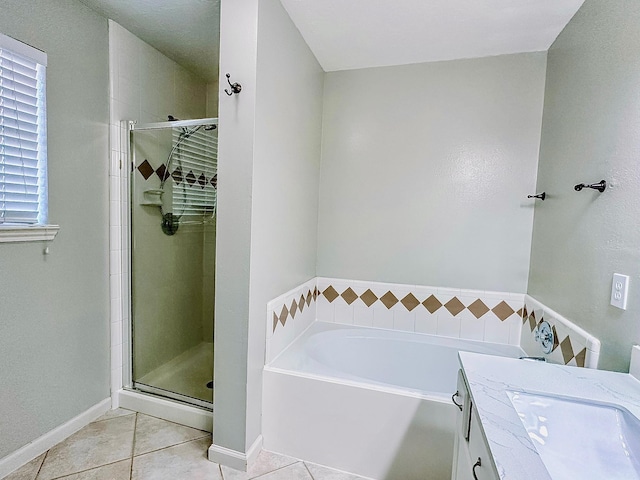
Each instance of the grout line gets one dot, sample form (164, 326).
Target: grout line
(168, 446)
(46, 454)
(133, 445)
(176, 423)
(310, 474)
(112, 418)
(89, 469)
(276, 470)
(221, 474)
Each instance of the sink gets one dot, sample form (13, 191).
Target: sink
(579, 439)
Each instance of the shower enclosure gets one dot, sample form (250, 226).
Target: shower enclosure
(173, 189)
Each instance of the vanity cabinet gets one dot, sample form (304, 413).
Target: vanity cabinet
(471, 457)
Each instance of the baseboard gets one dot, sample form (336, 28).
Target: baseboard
(41, 444)
(234, 459)
(167, 410)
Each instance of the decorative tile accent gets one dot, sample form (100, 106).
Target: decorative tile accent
(454, 306)
(349, 296)
(289, 315)
(369, 298)
(145, 169)
(330, 294)
(432, 304)
(503, 311)
(178, 176)
(389, 299)
(571, 344)
(410, 301)
(411, 307)
(478, 308)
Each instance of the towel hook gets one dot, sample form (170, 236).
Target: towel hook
(541, 196)
(600, 186)
(235, 87)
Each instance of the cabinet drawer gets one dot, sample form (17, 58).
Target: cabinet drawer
(478, 449)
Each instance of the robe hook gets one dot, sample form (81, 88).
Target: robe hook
(600, 186)
(541, 196)
(235, 87)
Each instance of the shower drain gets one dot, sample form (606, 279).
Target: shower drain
(210, 384)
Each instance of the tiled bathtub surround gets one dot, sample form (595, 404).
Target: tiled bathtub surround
(571, 346)
(288, 316)
(470, 314)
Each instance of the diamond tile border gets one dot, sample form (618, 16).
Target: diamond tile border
(289, 315)
(391, 297)
(572, 345)
(469, 314)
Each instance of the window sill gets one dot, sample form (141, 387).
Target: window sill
(35, 233)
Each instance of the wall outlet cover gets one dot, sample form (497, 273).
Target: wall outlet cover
(619, 290)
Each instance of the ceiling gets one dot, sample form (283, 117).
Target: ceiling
(187, 31)
(348, 34)
(371, 33)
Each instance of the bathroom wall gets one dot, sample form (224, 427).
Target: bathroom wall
(54, 337)
(167, 270)
(268, 201)
(426, 169)
(590, 132)
(238, 50)
(285, 179)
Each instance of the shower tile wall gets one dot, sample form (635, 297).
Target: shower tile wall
(147, 86)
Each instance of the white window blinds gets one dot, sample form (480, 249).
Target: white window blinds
(23, 181)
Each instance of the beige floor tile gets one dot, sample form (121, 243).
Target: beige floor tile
(118, 412)
(265, 463)
(187, 461)
(297, 471)
(97, 444)
(115, 471)
(28, 471)
(318, 472)
(153, 434)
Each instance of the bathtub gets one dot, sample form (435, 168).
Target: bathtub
(368, 401)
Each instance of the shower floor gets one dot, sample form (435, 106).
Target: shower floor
(186, 374)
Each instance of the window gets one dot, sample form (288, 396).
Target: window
(23, 141)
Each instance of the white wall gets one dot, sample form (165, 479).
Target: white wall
(590, 132)
(54, 309)
(285, 180)
(425, 172)
(238, 50)
(269, 148)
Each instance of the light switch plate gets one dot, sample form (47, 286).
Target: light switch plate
(619, 290)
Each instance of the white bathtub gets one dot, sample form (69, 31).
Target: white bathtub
(372, 402)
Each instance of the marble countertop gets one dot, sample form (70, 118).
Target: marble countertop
(489, 377)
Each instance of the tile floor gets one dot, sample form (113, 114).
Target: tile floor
(124, 445)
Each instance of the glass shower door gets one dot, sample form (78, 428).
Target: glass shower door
(173, 212)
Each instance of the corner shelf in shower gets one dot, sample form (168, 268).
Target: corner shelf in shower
(152, 198)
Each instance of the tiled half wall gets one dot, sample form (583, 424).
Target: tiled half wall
(470, 314)
(288, 316)
(496, 317)
(571, 345)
